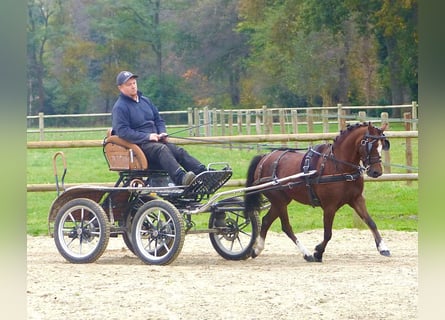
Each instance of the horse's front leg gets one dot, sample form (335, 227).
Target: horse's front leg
(360, 207)
(287, 229)
(328, 220)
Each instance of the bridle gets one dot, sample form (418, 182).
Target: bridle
(367, 145)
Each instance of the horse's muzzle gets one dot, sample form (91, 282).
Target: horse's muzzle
(373, 173)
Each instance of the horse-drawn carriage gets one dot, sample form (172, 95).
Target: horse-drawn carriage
(153, 215)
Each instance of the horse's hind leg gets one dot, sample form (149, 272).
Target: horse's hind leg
(360, 207)
(287, 228)
(266, 222)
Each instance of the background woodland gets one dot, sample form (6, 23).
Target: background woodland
(221, 53)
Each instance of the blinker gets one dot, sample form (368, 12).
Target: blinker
(385, 145)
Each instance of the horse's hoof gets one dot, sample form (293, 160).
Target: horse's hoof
(385, 253)
(318, 257)
(309, 258)
(253, 255)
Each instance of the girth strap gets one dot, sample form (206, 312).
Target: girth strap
(306, 166)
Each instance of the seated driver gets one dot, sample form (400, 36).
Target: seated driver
(136, 119)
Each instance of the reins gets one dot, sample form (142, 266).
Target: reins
(331, 157)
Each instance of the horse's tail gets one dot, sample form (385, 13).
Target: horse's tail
(252, 201)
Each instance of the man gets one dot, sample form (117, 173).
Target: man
(136, 119)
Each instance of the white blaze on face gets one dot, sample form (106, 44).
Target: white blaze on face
(380, 147)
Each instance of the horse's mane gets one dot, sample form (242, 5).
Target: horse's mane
(350, 128)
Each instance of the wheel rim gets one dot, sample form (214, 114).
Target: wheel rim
(79, 232)
(156, 233)
(238, 235)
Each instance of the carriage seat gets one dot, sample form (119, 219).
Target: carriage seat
(122, 155)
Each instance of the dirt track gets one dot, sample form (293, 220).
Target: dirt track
(353, 282)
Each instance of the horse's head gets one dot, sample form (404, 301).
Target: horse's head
(371, 146)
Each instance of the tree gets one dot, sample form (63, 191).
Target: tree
(208, 43)
(40, 32)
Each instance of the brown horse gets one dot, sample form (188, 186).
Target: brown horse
(338, 180)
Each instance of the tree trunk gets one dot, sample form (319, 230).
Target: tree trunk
(234, 79)
(395, 70)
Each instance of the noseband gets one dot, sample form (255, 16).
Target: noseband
(367, 144)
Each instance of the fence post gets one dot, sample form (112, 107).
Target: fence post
(206, 121)
(248, 129)
(215, 122)
(325, 119)
(269, 121)
(310, 120)
(341, 117)
(282, 121)
(294, 116)
(264, 119)
(190, 120)
(386, 155)
(42, 126)
(408, 147)
(222, 120)
(414, 115)
(230, 121)
(362, 116)
(196, 121)
(239, 122)
(258, 121)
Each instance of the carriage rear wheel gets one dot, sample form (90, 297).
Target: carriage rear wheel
(82, 230)
(236, 239)
(157, 232)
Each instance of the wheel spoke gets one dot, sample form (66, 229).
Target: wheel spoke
(235, 241)
(157, 231)
(82, 230)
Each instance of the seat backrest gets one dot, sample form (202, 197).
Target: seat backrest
(122, 155)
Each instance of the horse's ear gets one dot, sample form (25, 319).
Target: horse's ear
(385, 125)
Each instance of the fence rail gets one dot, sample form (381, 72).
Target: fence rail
(230, 183)
(221, 122)
(262, 125)
(219, 140)
(387, 176)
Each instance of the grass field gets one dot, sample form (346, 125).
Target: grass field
(393, 205)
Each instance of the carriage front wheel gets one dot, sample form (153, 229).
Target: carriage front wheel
(234, 240)
(81, 230)
(157, 232)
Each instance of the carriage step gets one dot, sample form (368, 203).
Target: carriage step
(208, 182)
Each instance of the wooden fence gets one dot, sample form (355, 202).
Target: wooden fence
(214, 122)
(387, 176)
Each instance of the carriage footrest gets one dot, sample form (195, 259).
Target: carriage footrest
(208, 182)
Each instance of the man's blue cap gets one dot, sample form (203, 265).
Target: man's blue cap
(124, 76)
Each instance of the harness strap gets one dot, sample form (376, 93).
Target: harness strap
(315, 201)
(262, 161)
(275, 164)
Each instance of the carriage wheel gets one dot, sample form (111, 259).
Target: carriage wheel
(157, 232)
(82, 231)
(236, 239)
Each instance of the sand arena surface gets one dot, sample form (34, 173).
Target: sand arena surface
(353, 282)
